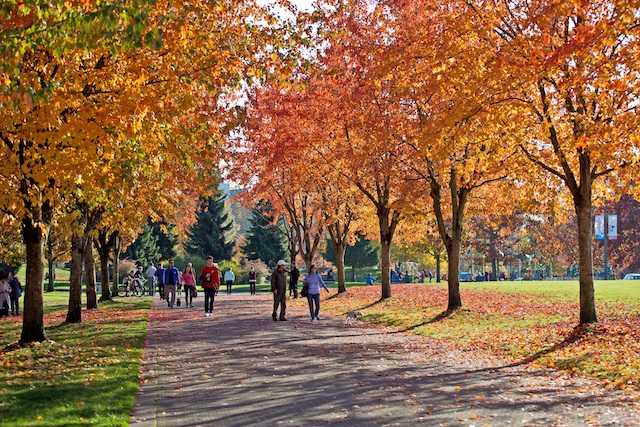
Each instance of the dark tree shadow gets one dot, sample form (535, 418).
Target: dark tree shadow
(440, 317)
(577, 334)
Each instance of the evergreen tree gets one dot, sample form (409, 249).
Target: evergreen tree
(145, 248)
(264, 240)
(212, 233)
(167, 240)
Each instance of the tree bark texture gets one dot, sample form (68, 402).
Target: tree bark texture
(33, 313)
(90, 275)
(585, 250)
(74, 312)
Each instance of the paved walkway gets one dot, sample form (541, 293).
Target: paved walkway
(240, 368)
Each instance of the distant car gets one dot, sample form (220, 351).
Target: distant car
(632, 276)
(466, 276)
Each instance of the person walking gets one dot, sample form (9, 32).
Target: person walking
(314, 280)
(294, 275)
(16, 293)
(253, 279)
(171, 280)
(279, 289)
(189, 282)
(210, 276)
(151, 278)
(5, 295)
(229, 278)
(160, 280)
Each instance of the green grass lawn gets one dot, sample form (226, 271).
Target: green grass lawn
(86, 375)
(525, 322)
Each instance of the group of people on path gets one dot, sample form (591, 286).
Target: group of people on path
(170, 279)
(311, 289)
(10, 293)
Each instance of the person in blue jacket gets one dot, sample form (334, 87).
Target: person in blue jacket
(314, 281)
(370, 281)
(171, 280)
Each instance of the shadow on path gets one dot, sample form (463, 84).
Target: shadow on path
(240, 368)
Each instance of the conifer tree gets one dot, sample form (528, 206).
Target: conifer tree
(212, 233)
(167, 240)
(145, 248)
(264, 240)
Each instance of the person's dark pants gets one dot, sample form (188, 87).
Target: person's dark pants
(293, 289)
(188, 296)
(15, 306)
(209, 297)
(152, 286)
(229, 283)
(314, 300)
(252, 287)
(279, 300)
(161, 290)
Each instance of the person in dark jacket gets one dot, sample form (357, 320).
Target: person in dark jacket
(16, 293)
(279, 289)
(160, 280)
(294, 275)
(171, 281)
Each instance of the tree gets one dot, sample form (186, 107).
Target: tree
(167, 239)
(363, 253)
(212, 233)
(145, 248)
(577, 96)
(264, 239)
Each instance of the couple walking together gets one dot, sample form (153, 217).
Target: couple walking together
(312, 280)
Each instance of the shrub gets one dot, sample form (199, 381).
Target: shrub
(124, 267)
(261, 268)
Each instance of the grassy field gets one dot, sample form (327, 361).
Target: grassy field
(86, 375)
(523, 322)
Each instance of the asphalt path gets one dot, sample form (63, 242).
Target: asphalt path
(240, 368)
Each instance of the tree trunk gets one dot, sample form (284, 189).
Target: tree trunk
(74, 312)
(90, 275)
(51, 267)
(353, 273)
(438, 267)
(385, 261)
(104, 275)
(453, 271)
(340, 248)
(587, 299)
(104, 245)
(33, 313)
(116, 260)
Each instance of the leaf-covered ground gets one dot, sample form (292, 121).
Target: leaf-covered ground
(86, 375)
(521, 327)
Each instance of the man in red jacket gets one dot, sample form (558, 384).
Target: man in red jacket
(210, 276)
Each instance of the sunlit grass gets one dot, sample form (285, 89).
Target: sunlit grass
(87, 374)
(520, 321)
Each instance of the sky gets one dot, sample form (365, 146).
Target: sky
(302, 4)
